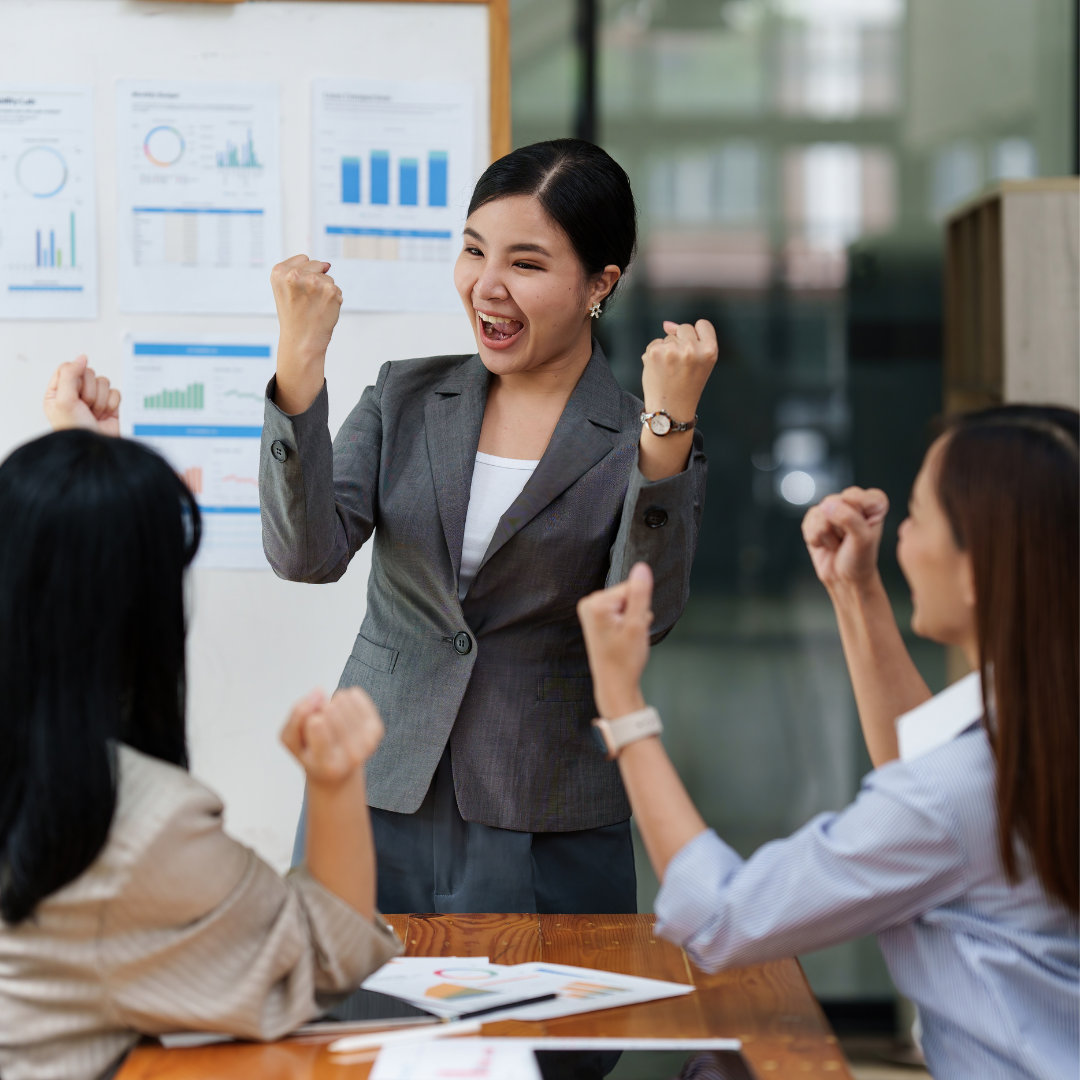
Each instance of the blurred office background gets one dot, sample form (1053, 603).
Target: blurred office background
(793, 162)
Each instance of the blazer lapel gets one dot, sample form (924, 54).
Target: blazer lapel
(452, 422)
(580, 439)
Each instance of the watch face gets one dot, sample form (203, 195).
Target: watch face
(660, 424)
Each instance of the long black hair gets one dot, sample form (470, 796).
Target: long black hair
(582, 189)
(95, 533)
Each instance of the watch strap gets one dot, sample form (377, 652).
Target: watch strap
(623, 730)
(674, 425)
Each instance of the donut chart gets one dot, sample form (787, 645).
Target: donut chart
(163, 145)
(41, 171)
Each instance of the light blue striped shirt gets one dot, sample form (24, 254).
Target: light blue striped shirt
(993, 967)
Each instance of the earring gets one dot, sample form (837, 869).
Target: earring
(594, 311)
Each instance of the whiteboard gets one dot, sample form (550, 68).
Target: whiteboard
(255, 643)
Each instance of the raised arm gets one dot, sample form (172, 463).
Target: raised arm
(674, 372)
(664, 500)
(616, 625)
(843, 534)
(333, 740)
(308, 304)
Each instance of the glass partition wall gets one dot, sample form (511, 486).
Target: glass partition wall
(793, 162)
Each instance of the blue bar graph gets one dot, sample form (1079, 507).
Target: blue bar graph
(437, 178)
(350, 180)
(52, 248)
(409, 182)
(380, 178)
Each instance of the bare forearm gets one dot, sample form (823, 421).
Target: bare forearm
(883, 676)
(300, 374)
(664, 812)
(661, 457)
(340, 849)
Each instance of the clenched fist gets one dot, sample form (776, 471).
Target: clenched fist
(332, 739)
(843, 534)
(308, 303)
(77, 397)
(676, 368)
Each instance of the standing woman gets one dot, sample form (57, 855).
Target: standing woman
(500, 487)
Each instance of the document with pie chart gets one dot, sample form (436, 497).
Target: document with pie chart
(48, 257)
(199, 182)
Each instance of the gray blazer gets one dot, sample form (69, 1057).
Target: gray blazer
(501, 675)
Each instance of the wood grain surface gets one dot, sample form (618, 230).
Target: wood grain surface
(769, 1006)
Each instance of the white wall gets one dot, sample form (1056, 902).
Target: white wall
(256, 643)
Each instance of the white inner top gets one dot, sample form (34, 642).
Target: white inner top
(496, 483)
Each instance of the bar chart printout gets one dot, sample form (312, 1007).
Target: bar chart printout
(199, 403)
(394, 165)
(48, 259)
(200, 196)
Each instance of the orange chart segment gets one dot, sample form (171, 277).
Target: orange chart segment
(586, 990)
(450, 992)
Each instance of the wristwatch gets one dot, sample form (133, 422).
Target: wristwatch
(624, 730)
(660, 422)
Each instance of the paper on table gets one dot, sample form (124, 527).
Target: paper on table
(454, 986)
(584, 990)
(477, 1059)
(451, 986)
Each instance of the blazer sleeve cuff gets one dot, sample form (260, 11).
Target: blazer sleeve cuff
(296, 428)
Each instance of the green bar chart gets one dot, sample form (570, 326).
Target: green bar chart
(191, 397)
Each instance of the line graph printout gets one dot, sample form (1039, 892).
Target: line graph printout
(199, 179)
(393, 170)
(199, 403)
(48, 257)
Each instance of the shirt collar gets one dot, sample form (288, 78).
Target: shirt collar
(942, 718)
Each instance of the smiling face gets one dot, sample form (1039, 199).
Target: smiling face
(937, 570)
(525, 290)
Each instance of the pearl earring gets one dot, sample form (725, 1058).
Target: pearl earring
(594, 311)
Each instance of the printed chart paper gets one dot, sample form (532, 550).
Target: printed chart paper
(199, 179)
(393, 170)
(48, 254)
(199, 403)
(452, 986)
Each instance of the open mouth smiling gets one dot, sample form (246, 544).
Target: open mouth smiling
(498, 331)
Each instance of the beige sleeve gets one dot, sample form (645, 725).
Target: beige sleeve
(203, 935)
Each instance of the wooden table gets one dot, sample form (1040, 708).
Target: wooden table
(769, 1007)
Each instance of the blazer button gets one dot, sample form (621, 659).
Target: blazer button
(655, 517)
(278, 449)
(462, 642)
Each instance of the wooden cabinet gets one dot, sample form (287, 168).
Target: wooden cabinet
(1012, 296)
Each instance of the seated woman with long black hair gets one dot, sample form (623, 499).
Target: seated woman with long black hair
(961, 851)
(125, 907)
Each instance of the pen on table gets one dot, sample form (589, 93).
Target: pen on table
(426, 1031)
(509, 1005)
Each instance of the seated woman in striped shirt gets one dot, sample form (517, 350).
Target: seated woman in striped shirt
(125, 908)
(961, 849)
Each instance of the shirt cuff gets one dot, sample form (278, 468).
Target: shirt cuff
(689, 899)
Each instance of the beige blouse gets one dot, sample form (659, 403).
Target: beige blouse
(175, 926)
